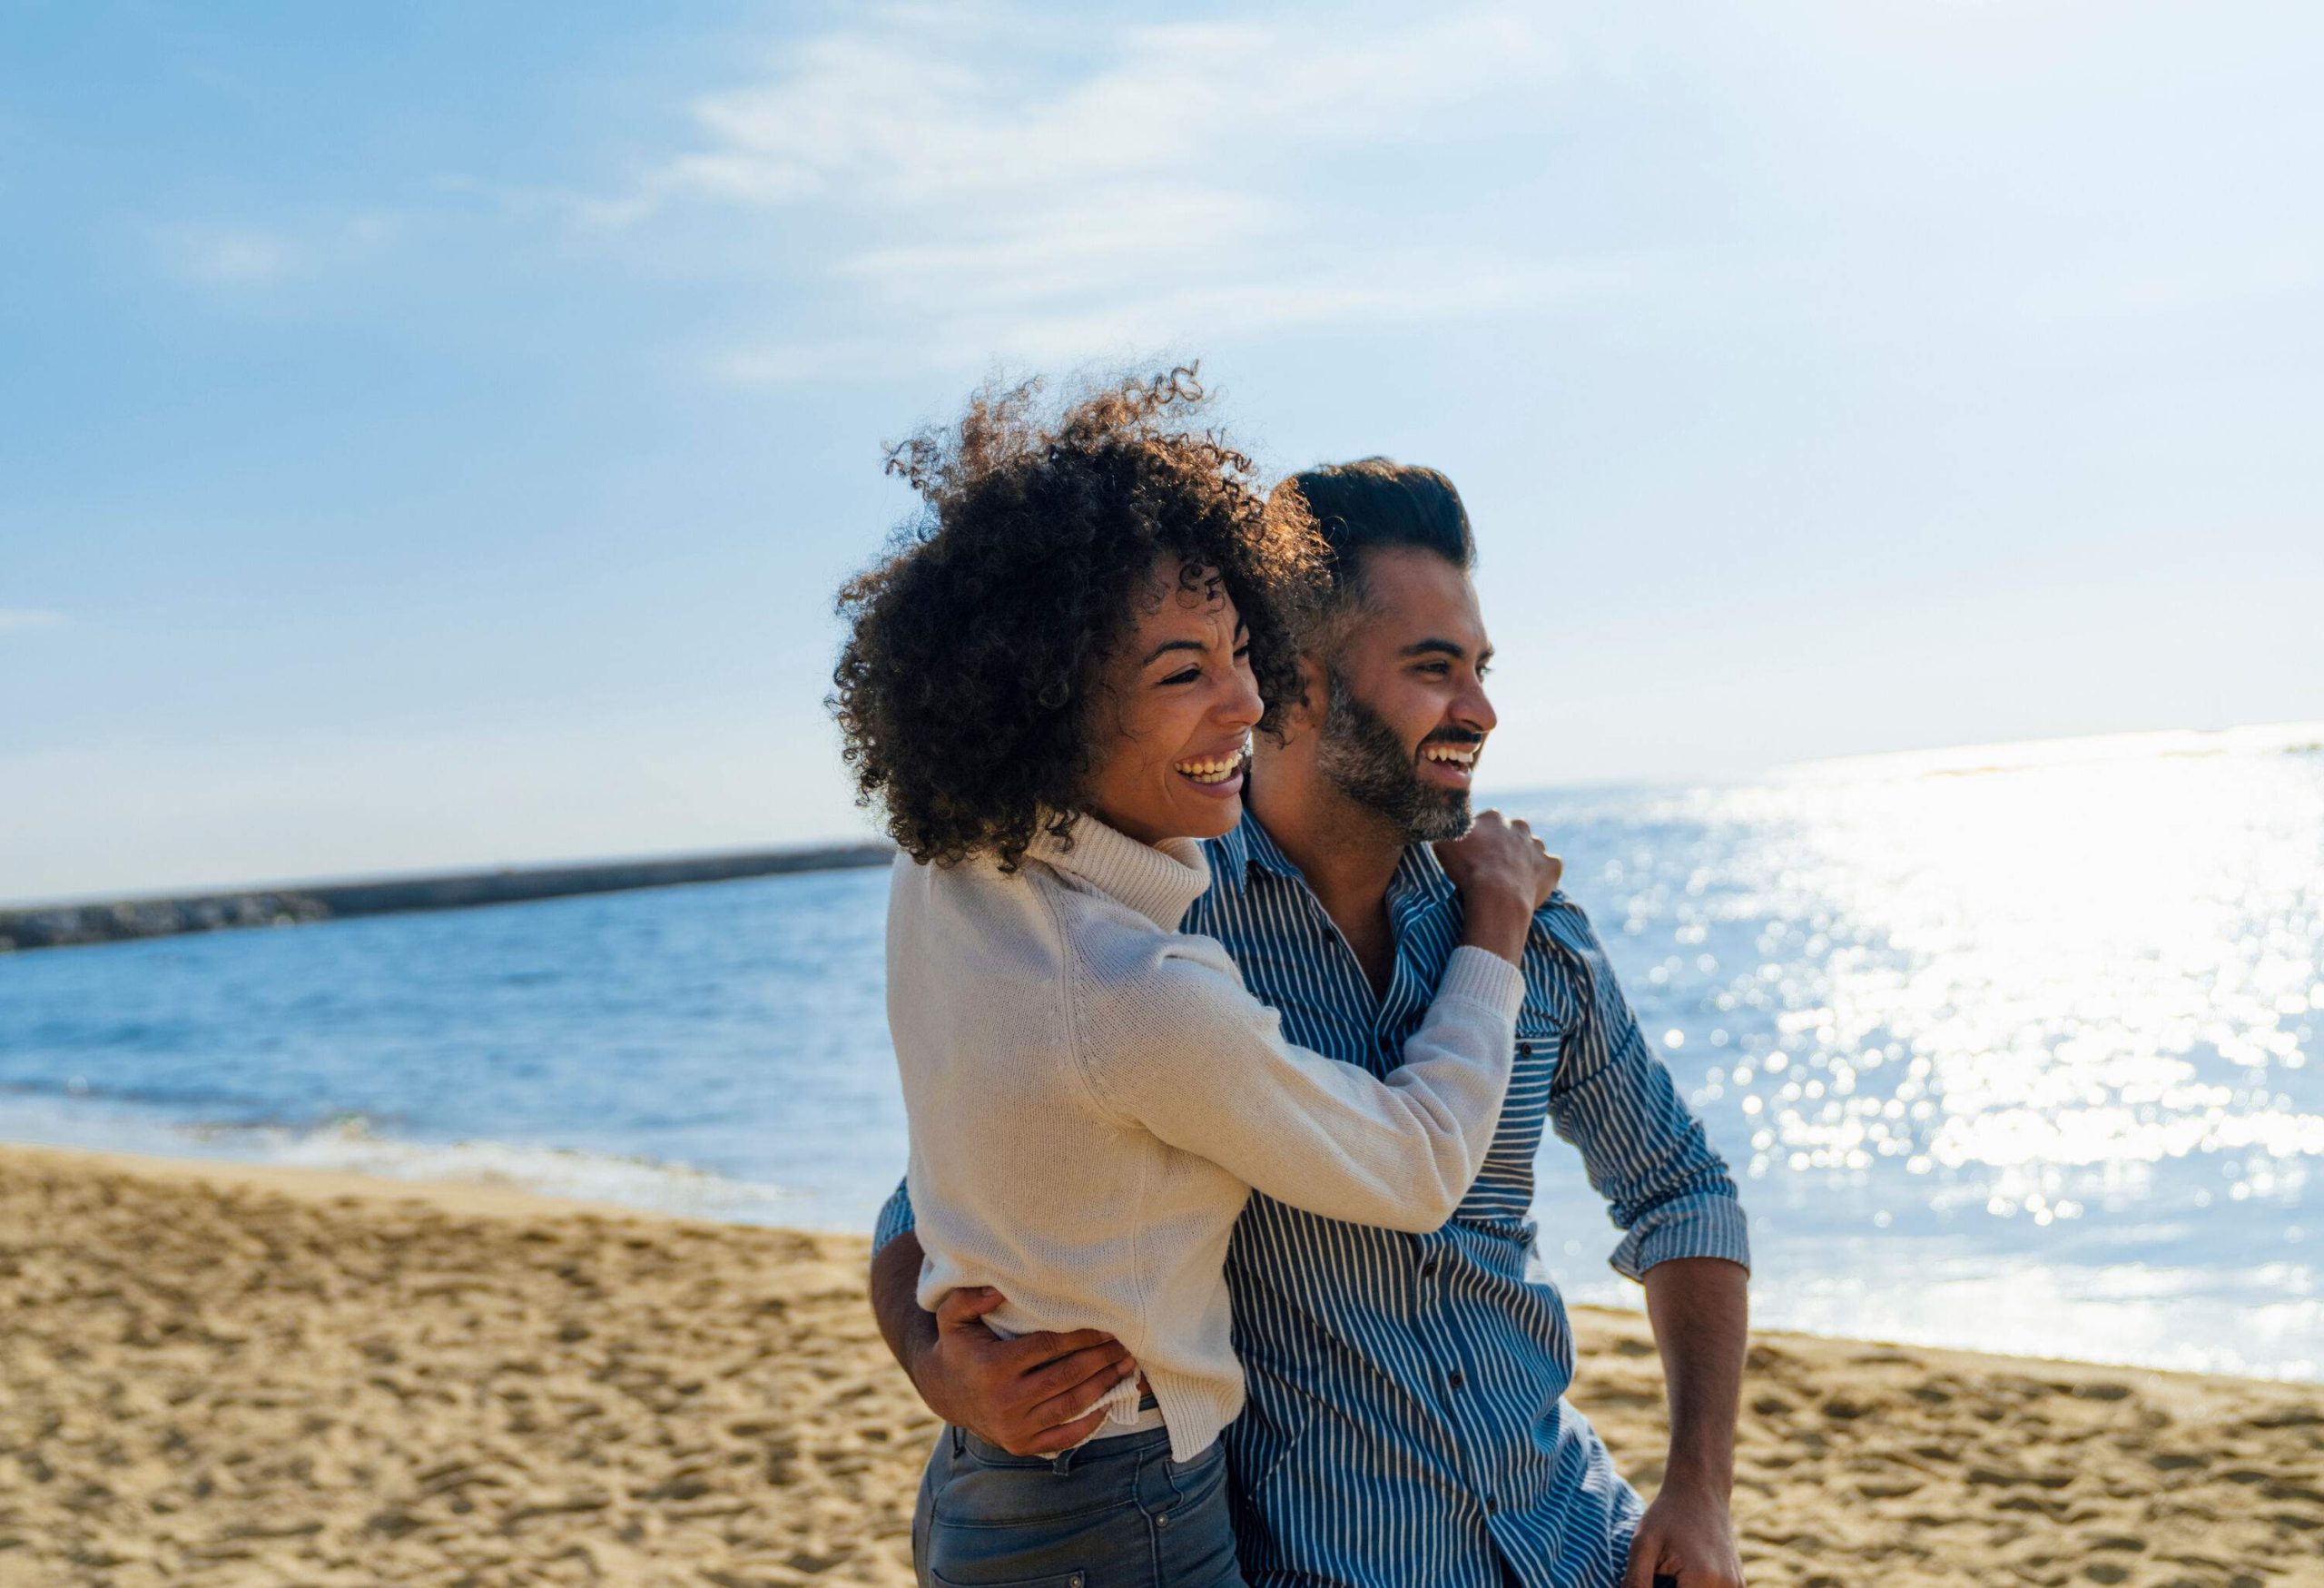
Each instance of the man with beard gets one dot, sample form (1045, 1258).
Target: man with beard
(1405, 1427)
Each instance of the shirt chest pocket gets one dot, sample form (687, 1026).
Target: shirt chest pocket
(1534, 1070)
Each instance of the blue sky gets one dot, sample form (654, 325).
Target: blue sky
(431, 434)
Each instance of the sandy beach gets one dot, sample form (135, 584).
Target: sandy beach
(221, 1376)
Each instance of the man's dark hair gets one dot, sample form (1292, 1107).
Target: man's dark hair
(964, 694)
(1374, 503)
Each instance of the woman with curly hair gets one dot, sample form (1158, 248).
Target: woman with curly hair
(1049, 687)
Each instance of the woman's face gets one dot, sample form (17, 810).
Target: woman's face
(1171, 725)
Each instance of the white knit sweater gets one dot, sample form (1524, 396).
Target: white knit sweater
(1092, 1095)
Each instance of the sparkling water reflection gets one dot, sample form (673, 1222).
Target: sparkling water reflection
(2009, 1048)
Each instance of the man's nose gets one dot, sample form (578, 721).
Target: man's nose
(1473, 709)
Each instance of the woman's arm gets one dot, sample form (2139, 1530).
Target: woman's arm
(1186, 1052)
(1191, 1056)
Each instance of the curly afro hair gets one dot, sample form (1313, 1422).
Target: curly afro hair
(964, 692)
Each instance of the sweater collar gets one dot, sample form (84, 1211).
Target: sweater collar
(1159, 881)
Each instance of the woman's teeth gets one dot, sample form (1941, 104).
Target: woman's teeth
(1217, 770)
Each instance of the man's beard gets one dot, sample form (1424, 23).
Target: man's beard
(1361, 757)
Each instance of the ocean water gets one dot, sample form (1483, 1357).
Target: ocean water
(2019, 1048)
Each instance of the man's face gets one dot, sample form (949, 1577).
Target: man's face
(1408, 714)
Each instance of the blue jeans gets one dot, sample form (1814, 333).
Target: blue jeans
(1114, 1514)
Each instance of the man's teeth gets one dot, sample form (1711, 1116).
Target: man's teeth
(1457, 755)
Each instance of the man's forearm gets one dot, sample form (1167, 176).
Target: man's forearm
(1701, 1312)
(904, 1324)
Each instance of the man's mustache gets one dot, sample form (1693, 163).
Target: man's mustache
(1456, 739)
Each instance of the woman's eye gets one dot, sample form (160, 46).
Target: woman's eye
(1242, 653)
(1188, 676)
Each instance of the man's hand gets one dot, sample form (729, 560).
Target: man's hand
(1031, 1396)
(1686, 1536)
(1504, 874)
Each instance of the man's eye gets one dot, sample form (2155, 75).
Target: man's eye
(1436, 669)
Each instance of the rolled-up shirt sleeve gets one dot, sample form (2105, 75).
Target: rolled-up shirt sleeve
(1665, 1187)
(896, 1218)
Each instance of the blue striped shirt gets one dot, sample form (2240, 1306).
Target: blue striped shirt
(1406, 1422)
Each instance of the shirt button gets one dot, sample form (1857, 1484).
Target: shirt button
(1524, 1049)
(1428, 1269)
(1491, 1506)
(1457, 1378)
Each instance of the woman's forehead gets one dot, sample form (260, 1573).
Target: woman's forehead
(1185, 593)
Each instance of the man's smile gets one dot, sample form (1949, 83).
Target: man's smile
(1449, 765)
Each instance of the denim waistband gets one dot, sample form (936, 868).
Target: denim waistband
(1125, 1446)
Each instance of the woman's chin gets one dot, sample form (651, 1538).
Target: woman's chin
(1214, 817)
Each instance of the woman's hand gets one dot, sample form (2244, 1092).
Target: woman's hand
(1504, 874)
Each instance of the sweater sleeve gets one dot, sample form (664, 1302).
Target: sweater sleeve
(1186, 1051)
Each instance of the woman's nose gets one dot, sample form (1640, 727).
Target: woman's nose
(1244, 707)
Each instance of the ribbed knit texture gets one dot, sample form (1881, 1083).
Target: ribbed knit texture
(1093, 1094)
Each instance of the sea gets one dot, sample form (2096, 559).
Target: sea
(2016, 1048)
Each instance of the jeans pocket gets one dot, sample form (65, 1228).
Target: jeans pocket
(1195, 1483)
(1015, 1527)
(1194, 1539)
(1070, 1580)
(1020, 1555)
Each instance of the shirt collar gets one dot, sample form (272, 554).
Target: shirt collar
(1247, 845)
(1419, 880)
(1157, 881)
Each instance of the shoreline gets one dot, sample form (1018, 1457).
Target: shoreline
(489, 1198)
(223, 1372)
(460, 1199)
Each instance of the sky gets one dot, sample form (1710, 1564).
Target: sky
(431, 435)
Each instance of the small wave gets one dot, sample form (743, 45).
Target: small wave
(348, 1145)
(351, 1144)
(80, 1088)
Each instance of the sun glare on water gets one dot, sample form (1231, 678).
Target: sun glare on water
(2024, 1039)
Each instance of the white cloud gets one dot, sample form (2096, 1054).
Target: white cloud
(242, 256)
(1416, 290)
(236, 254)
(958, 188)
(942, 115)
(24, 617)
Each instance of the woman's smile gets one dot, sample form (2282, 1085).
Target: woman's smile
(1218, 774)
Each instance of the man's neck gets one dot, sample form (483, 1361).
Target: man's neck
(1347, 852)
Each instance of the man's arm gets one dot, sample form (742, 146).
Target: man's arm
(1031, 1396)
(1700, 1309)
(1685, 1239)
(1665, 1186)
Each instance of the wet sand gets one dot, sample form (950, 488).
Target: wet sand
(215, 1375)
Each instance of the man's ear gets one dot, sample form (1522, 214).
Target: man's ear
(1305, 714)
